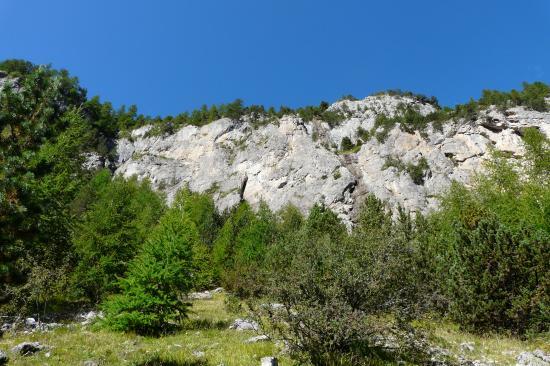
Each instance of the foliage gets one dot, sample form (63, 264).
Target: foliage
(409, 119)
(416, 171)
(200, 209)
(363, 134)
(532, 96)
(113, 226)
(255, 114)
(491, 247)
(241, 246)
(157, 280)
(17, 68)
(334, 286)
(67, 234)
(346, 144)
(419, 97)
(348, 97)
(42, 134)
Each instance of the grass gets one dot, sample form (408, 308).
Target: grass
(498, 348)
(207, 331)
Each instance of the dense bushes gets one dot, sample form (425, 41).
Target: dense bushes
(42, 135)
(416, 171)
(334, 286)
(491, 245)
(116, 216)
(241, 245)
(532, 96)
(419, 97)
(255, 114)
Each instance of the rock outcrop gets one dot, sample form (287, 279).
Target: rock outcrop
(292, 161)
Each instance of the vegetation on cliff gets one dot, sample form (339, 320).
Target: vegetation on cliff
(71, 236)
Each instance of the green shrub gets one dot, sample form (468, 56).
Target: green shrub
(497, 277)
(490, 245)
(17, 68)
(532, 97)
(162, 273)
(419, 97)
(241, 246)
(201, 210)
(346, 144)
(348, 97)
(117, 217)
(333, 286)
(363, 134)
(223, 252)
(416, 171)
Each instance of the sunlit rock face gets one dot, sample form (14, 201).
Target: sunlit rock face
(290, 161)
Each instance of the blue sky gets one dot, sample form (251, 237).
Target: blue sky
(171, 56)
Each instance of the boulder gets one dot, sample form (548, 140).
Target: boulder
(3, 358)
(204, 295)
(91, 316)
(467, 347)
(27, 348)
(535, 358)
(198, 354)
(256, 339)
(269, 361)
(31, 323)
(244, 324)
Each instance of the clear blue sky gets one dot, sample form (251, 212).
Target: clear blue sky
(172, 56)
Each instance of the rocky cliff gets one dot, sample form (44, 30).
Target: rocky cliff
(291, 161)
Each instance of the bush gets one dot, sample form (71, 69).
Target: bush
(117, 217)
(334, 287)
(417, 171)
(491, 245)
(346, 144)
(241, 246)
(153, 291)
(17, 68)
(532, 97)
(201, 210)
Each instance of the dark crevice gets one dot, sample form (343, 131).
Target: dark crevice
(243, 187)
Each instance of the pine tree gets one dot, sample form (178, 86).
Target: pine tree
(158, 278)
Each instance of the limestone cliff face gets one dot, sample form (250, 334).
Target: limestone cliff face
(289, 161)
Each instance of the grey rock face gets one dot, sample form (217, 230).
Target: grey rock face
(8, 81)
(278, 164)
(290, 161)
